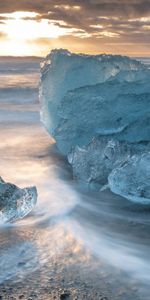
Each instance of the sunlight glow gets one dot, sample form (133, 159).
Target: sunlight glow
(30, 29)
(16, 27)
(96, 26)
(109, 34)
(68, 7)
(21, 29)
(142, 19)
(19, 15)
(16, 48)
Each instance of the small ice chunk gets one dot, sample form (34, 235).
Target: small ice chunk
(132, 179)
(94, 162)
(15, 203)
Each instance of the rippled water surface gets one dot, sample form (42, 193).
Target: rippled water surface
(76, 242)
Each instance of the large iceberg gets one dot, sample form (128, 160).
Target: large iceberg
(97, 108)
(15, 203)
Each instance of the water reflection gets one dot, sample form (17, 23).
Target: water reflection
(13, 80)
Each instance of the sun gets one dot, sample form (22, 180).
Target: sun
(22, 28)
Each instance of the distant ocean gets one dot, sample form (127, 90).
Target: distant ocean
(144, 60)
(19, 80)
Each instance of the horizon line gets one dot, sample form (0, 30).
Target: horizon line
(40, 57)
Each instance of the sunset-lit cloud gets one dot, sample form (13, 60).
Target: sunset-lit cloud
(35, 27)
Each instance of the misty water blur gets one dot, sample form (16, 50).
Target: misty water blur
(67, 215)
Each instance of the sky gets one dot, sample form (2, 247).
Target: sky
(34, 27)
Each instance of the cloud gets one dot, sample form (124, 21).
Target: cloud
(96, 21)
(103, 7)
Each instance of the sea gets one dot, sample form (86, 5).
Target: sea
(75, 242)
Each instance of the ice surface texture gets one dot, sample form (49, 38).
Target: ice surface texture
(93, 163)
(121, 110)
(15, 203)
(96, 108)
(132, 179)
